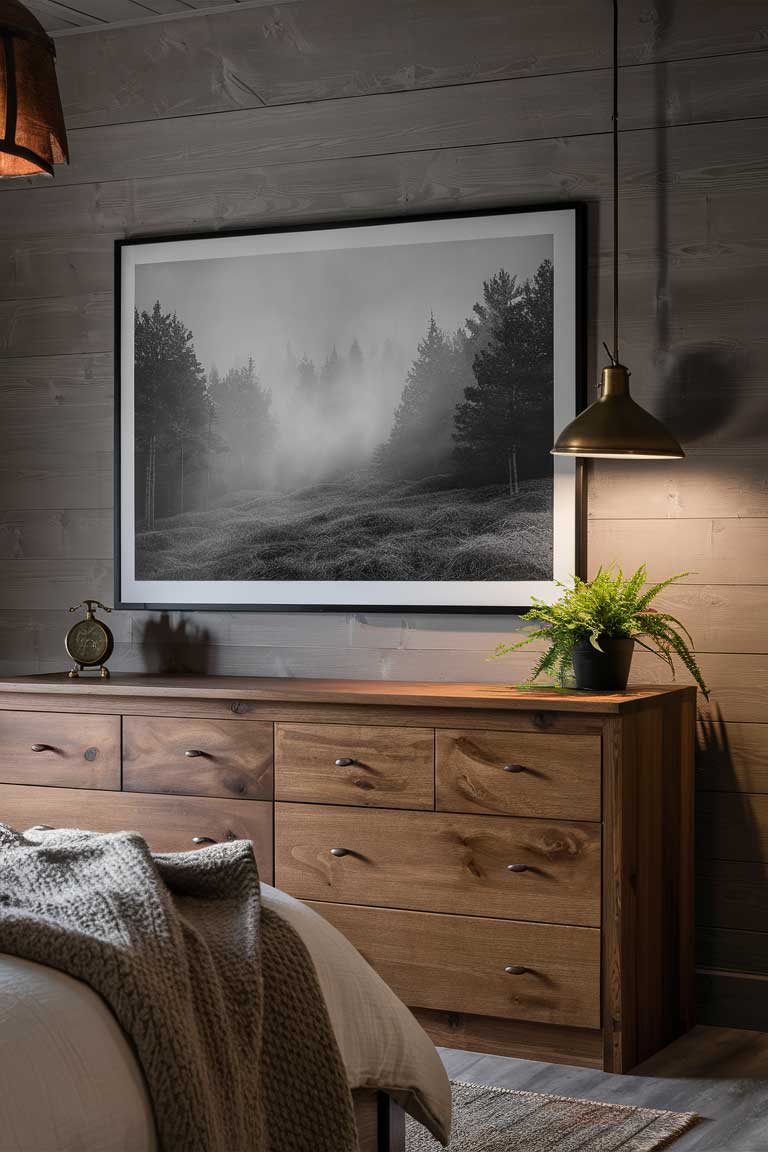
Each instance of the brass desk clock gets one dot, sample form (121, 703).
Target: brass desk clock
(89, 642)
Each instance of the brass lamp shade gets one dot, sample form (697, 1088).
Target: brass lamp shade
(615, 426)
(32, 133)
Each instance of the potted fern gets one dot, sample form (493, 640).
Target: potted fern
(595, 625)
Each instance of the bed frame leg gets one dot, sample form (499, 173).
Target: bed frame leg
(390, 1125)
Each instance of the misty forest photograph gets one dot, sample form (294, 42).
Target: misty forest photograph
(374, 413)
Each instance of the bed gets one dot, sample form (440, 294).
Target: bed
(69, 1081)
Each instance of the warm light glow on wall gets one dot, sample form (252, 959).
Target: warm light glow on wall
(32, 133)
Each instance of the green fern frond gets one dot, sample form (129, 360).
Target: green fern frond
(607, 605)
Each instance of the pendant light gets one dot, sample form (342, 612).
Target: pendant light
(32, 133)
(615, 426)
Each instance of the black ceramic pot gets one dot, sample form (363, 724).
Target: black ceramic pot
(605, 671)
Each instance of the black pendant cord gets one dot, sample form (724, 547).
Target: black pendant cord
(616, 181)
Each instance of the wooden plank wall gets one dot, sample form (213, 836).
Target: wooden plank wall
(319, 110)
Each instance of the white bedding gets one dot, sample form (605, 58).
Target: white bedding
(69, 1081)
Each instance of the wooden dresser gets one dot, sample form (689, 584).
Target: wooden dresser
(516, 865)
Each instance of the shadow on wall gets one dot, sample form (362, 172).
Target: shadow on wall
(176, 646)
(725, 999)
(704, 392)
(704, 395)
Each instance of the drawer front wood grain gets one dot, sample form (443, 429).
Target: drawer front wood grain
(355, 764)
(459, 964)
(475, 865)
(168, 823)
(62, 749)
(197, 757)
(518, 773)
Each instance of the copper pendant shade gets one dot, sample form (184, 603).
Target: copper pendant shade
(615, 426)
(32, 133)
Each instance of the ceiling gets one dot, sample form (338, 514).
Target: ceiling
(77, 16)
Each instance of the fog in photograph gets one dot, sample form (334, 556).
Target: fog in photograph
(380, 413)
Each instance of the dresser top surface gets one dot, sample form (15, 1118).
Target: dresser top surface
(321, 691)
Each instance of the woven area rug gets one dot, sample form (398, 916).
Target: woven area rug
(497, 1120)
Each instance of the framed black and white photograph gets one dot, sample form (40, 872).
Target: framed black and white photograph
(350, 416)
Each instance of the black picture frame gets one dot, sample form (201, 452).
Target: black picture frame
(578, 212)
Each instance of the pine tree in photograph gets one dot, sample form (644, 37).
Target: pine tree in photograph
(504, 423)
(306, 376)
(419, 444)
(500, 295)
(244, 424)
(172, 413)
(355, 358)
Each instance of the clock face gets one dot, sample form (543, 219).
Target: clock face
(87, 642)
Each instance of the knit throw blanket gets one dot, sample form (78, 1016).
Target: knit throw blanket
(218, 996)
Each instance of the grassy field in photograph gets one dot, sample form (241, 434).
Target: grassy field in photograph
(359, 528)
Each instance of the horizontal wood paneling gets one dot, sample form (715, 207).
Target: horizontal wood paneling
(56, 425)
(319, 51)
(732, 827)
(535, 107)
(732, 999)
(55, 381)
(731, 950)
(738, 683)
(732, 894)
(435, 178)
(77, 533)
(359, 186)
(57, 265)
(32, 584)
(719, 620)
(330, 49)
(707, 484)
(716, 551)
(62, 479)
(732, 757)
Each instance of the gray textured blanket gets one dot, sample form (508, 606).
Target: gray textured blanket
(218, 996)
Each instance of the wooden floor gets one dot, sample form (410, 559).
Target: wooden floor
(719, 1073)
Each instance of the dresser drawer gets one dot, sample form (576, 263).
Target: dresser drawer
(457, 963)
(518, 773)
(60, 748)
(355, 764)
(168, 823)
(440, 863)
(197, 757)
